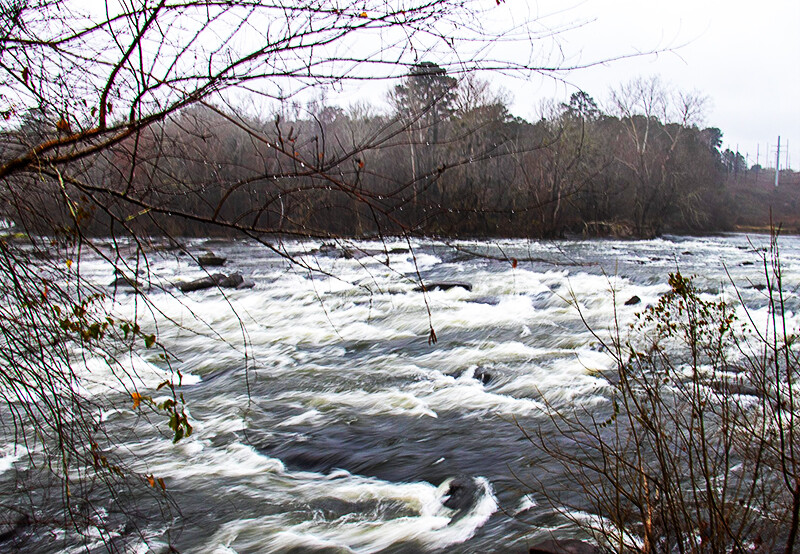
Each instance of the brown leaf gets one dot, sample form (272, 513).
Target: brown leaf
(63, 126)
(513, 262)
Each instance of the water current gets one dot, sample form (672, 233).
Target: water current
(324, 419)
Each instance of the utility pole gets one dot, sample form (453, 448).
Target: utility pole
(778, 162)
(786, 165)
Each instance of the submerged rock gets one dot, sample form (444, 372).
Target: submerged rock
(564, 546)
(443, 285)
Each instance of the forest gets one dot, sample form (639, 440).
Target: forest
(446, 158)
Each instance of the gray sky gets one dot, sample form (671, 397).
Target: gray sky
(743, 55)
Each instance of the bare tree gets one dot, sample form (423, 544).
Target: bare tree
(654, 120)
(697, 451)
(91, 98)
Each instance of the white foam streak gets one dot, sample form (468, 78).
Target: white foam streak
(432, 524)
(11, 454)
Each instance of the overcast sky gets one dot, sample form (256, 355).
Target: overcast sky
(743, 55)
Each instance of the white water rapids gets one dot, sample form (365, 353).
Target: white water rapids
(325, 422)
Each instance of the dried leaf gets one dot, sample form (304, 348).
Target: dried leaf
(137, 399)
(513, 262)
(63, 126)
(363, 15)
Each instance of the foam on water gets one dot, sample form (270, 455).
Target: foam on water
(10, 454)
(421, 519)
(324, 352)
(386, 402)
(124, 375)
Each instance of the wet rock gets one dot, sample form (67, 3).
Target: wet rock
(211, 260)
(564, 546)
(461, 495)
(246, 284)
(479, 374)
(736, 386)
(232, 281)
(333, 251)
(747, 263)
(482, 375)
(443, 285)
(455, 374)
(633, 300)
(488, 300)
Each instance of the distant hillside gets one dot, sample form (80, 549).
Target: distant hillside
(753, 195)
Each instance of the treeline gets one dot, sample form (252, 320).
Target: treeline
(447, 159)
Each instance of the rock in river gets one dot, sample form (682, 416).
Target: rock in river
(633, 300)
(232, 281)
(461, 495)
(443, 285)
(211, 260)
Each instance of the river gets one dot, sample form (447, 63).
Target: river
(326, 421)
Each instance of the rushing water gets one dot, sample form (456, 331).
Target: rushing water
(325, 421)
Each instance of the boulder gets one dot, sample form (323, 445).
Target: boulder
(246, 284)
(461, 495)
(232, 281)
(443, 285)
(564, 546)
(211, 260)
(333, 251)
(735, 386)
(479, 374)
(633, 300)
(482, 375)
